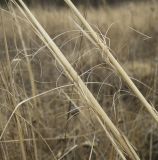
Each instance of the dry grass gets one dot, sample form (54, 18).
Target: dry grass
(110, 59)
(61, 124)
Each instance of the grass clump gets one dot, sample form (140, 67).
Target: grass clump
(67, 121)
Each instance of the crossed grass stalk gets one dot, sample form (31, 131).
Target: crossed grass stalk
(116, 137)
(108, 57)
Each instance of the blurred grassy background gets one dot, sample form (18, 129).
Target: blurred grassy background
(80, 2)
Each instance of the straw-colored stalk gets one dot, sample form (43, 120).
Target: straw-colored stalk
(81, 88)
(31, 77)
(104, 128)
(11, 89)
(108, 57)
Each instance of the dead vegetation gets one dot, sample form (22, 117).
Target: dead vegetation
(61, 119)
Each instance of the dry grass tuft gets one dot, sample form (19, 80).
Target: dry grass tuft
(62, 96)
(81, 88)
